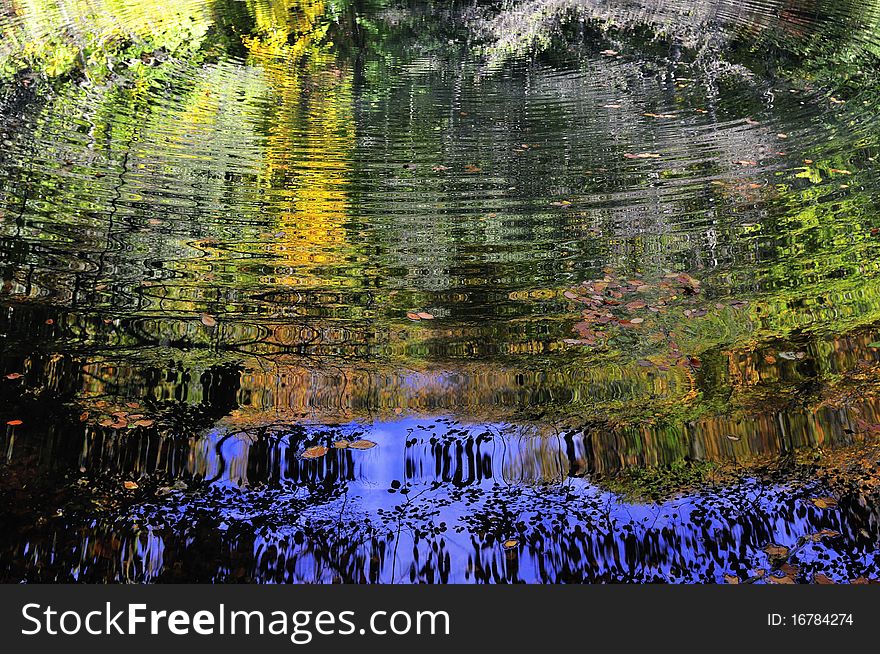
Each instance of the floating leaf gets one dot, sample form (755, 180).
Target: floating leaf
(208, 320)
(471, 168)
(732, 437)
(819, 578)
(825, 533)
(362, 444)
(130, 485)
(776, 551)
(824, 502)
(145, 423)
(314, 452)
(413, 316)
(14, 375)
(510, 543)
(424, 315)
(14, 423)
(608, 53)
(341, 445)
(731, 579)
(642, 155)
(637, 321)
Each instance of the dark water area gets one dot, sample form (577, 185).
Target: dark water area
(555, 291)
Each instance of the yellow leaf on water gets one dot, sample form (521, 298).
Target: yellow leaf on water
(340, 445)
(824, 502)
(130, 485)
(315, 452)
(362, 444)
(510, 543)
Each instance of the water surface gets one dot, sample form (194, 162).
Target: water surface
(598, 293)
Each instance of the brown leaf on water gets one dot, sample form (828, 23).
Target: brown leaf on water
(341, 445)
(824, 502)
(821, 579)
(731, 579)
(776, 551)
(14, 375)
(208, 320)
(471, 168)
(789, 570)
(746, 162)
(637, 321)
(130, 485)
(424, 315)
(314, 452)
(362, 444)
(571, 295)
(825, 533)
(14, 423)
(84, 416)
(413, 316)
(608, 53)
(839, 171)
(146, 422)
